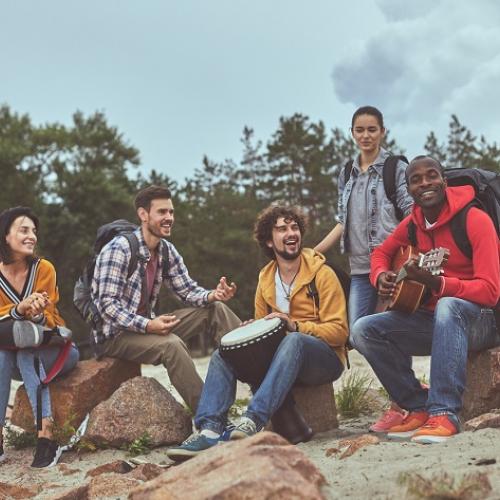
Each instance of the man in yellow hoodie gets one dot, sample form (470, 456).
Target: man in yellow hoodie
(312, 352)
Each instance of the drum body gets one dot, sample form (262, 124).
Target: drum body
(250, 348)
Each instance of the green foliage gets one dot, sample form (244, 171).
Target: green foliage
(353, 398)
(19, 439)
(442, 486)
(78, 176)
(139, 446)
(238, 408)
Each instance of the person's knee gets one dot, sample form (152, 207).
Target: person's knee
(173, 346)
(293, 342)
(447, 308)
(359, 333)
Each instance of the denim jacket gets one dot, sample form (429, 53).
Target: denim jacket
(381, 215)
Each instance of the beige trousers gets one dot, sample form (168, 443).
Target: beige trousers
(214, 320)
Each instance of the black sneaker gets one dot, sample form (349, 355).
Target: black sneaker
(47, 453)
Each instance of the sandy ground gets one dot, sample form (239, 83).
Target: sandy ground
(370, 473)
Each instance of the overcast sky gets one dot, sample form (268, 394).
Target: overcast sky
(181, 79)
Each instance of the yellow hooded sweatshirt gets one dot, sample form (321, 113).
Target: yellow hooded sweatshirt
(329, 323)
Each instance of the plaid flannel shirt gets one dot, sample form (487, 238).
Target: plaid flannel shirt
(117, 297)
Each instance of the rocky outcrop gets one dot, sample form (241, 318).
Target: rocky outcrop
(74, 395)
(263, 466)
(491, 419)
(482, 392)
(140, 406)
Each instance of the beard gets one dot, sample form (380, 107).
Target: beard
(287, 255)
(155, 231)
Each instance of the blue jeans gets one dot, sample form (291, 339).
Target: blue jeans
(299, 358)
(362, 297)
(25, 363)
(388, 340)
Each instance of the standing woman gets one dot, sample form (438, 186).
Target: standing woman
(365, 215)
(28, 298)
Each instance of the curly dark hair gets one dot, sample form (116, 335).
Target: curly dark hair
(266, 220)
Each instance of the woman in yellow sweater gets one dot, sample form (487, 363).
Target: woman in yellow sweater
(28, 298)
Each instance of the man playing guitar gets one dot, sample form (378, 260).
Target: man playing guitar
(457, 316)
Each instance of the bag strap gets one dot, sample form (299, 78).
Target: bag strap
(53, 372)
(389, 178)
(412, 234)
(134, 249)
(458, 226)
(165, 261)
(312, 292)
(347, 170)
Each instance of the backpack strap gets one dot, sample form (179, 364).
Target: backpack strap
(347, 170)
(389, 178)
(164, 257)
(134, 249)
(458, 226)
(412, 234)
(312, 292)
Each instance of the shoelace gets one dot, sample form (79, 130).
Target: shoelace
(246, 427)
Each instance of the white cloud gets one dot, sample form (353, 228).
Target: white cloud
(429, 60)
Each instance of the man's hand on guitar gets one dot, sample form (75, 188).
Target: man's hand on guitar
(386, 284)
(415, 273)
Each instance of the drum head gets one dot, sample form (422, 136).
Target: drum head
(249, 332)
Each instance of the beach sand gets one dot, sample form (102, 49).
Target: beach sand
(370, 473)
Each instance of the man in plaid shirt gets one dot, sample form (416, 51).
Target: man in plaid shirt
(130, 329)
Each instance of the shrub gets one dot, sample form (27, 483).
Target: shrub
(353, 399)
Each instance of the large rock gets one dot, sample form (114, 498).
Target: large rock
(484, 421)
(75, 394)
(482, 392)
(141, 405)
(263, 466)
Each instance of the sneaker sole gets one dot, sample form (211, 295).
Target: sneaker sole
(400, 435)
(430, 439)
(183, 455)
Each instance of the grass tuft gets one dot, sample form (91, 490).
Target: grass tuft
(353, 399)
(19, 439)
(443, 486)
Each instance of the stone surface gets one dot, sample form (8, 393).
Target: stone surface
(11, 490)
(118, 466)
(141, 405)
(146, 472)
(482, 392)
(317, 405)
(110, 486)
(259, 467)
(491, 419)
(75, 394)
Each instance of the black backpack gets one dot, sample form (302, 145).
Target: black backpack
(81, 293)
(345, 283)
(487, 187)
(389, 177)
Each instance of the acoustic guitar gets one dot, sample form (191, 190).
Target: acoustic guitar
(408, 293)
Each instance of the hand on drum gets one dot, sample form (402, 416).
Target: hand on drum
(290, 325)
(223, 292)
(162, 325)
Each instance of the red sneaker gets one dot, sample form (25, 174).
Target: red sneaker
(413, 421)
(437, 429)
(390, 418)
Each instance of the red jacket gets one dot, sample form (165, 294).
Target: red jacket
(476, 280)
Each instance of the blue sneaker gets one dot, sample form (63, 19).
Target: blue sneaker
(193, 445)
(226, 435)
(245, 428)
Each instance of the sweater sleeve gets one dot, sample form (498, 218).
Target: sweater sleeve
(381, 258)
(484, 287)
(261, 308)
(332, 325)
(46, 281)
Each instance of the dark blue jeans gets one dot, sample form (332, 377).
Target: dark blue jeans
(362, 297)
(299, 358)
(388, 340)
